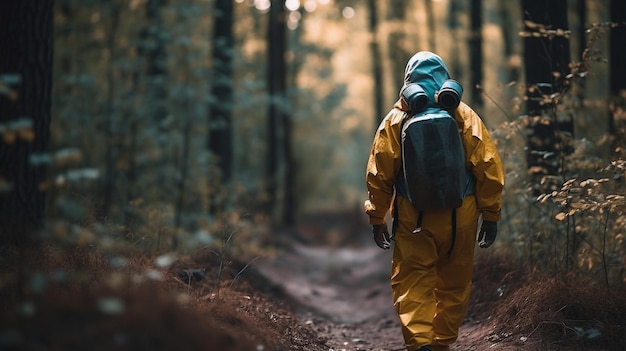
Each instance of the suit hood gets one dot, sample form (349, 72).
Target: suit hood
(429, 71)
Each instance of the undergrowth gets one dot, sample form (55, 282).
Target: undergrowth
(567, 211)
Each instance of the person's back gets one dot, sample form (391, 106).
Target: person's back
(432, 267)
(433, 173)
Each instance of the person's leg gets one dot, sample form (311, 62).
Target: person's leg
(454, 279)
(452, 295)
(413, 279)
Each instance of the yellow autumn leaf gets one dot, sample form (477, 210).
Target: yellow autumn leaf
(560, 216)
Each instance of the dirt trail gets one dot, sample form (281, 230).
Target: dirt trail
(343, 293)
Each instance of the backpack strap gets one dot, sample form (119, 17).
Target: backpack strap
(418, 226)
(395, 220)
(453, 231)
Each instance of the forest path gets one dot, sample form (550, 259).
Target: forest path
(344, 294)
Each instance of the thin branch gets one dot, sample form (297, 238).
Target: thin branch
(242, 270)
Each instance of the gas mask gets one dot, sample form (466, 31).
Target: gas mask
(448, 97)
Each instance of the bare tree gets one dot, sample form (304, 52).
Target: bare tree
(581, 11)
(508, 33)
(280, 169)
(220, 120)
(107, 192)
(399, 56)
(546, 58)
(26, 46)
(430, 22)
(618, 51)
(476, 51)
(376, 63)
(581, 19)
(616, 62)
(455, 8)
(154, 56)
(152, 52)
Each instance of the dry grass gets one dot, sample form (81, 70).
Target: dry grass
(86, 303)
(560, 312)
(138, 307)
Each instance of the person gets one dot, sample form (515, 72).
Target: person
(431, 271)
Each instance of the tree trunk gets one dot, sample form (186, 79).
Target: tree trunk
(108, 188)
(280, 170)
(376, 64)
(581, 10)
(476, 51)
(26, 45)
(455, 9)
(546, 59)
(220, 120)
(507, 34)
(154, 55)
(398, 56)
(183, 165)
(618, 51)
(618, 69)
(430, 22)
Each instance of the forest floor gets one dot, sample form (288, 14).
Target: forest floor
(325, 288)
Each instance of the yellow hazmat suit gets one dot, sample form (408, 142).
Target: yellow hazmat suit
(431, 285)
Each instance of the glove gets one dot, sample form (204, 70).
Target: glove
(382, 236)
(487, 234)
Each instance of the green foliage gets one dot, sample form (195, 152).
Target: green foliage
(127, 106)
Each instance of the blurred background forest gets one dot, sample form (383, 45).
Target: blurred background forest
(163, 125)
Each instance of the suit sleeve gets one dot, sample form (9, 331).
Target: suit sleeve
(484, 161)
(382, 166)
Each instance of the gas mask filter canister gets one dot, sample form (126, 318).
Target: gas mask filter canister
(415, 96)
(449, 95)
